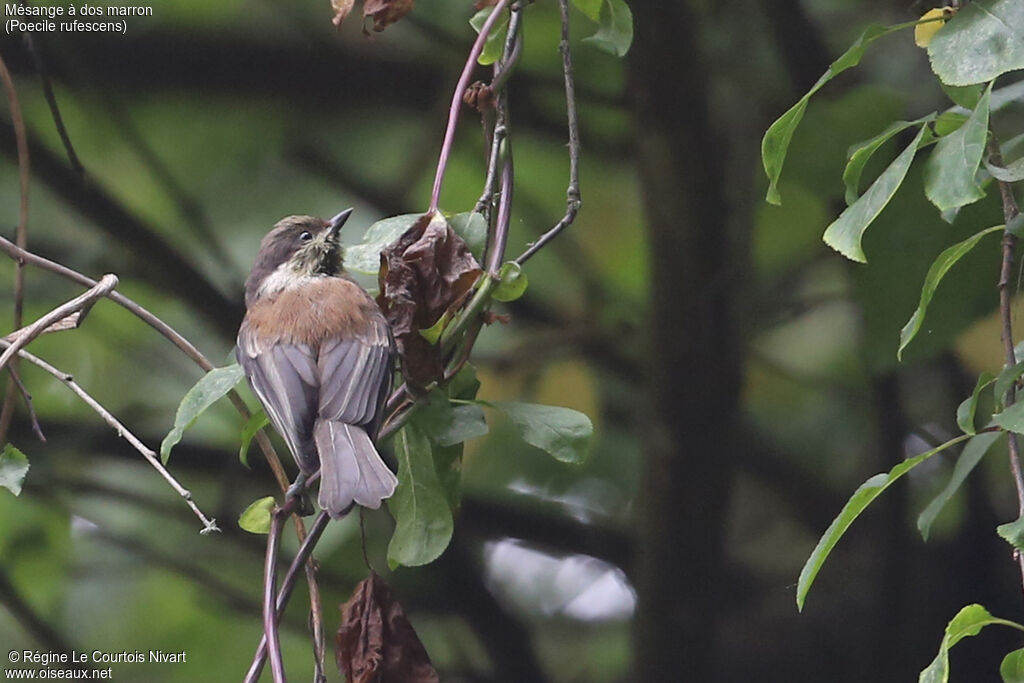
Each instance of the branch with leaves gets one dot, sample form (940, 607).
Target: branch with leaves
(964, 49)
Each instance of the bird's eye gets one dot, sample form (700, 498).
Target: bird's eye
(306, 236)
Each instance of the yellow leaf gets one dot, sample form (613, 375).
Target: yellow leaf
(933, 19)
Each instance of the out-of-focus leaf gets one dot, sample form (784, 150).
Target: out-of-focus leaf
(845, 233)
(1011, 173)
(472, 228)
(860, 153)
(255, 423)
(427, 272)
(861, 498)
(949, 121)
(212, 386)
(423, 520)
(949, 175)
(946, 260)
(13, 468)
(256, 518)
(968, 622)
(615, 32)
(513, 282)
(966, 96)
(981, 41)
(1012, 668)
(776, 140)
(1012, 418)
(967, 409)
(971, 455)
(376, 643)
(495, 43)
(931, 22)
(365, 256)
(562, 432)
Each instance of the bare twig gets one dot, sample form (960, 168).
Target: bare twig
(51, 102)
(33, 624)
(80, 304)
(269, 594)
(16, 379)
(1010, 212)
(573, 197)
(287, 585)
(209, 524)
(456, 104)
(24, 173)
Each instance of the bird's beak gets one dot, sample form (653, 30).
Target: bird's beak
(334, 225)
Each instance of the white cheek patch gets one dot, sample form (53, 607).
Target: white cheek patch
(283, 278)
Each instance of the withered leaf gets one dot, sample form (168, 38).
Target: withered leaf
(428, 271)
(341, 10)
(376, 643)
(385, 12)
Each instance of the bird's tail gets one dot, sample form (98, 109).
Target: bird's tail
(351, 470)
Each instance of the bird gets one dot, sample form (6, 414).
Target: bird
(319, 355)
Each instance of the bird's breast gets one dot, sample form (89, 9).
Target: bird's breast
(327, 307)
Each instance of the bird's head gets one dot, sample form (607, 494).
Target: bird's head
(298, 249)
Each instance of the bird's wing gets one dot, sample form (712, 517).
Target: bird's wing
(354, 374)
(284, 379)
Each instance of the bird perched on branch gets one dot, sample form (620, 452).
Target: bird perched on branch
(318, 354)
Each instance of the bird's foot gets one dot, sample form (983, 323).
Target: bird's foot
(303, 505)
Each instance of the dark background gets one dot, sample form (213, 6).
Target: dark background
(741, 376)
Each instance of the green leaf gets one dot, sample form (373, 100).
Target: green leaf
(776, 140)
(943, 262)
(1011, 419)
(969, 407)
(980, 42)
(845, 233)
(562, 432)
(433, 333)
(423, 519)
(1011, 173)
(590, 8)
(255, 423)
(860, 153)
(1007, 378)
(969, 458)
(472, 228)
(446, 425)
(966, 96)
(1012, 533)
(968, 622)
(365, 256)
(256, 518)
(13, 468)
(861, 498)
(949, 174)
(512, 283)
(212, 386)
(1012, 668)
(948, 122)
(495, 43)
(615, 32)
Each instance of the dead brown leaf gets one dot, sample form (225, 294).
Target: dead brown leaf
(376, 643)
(341, 10)
(385, 12)
(428, 271)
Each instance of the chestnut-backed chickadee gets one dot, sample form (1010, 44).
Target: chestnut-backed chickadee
(318, 354)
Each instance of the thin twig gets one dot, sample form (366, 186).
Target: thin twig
(269, 594)
(287, 585)
(80, 304)
(1010, 212)
(27, 397)
(456, 104)
(573, 197)
(51, 102)
(316, 620)
(209, 524)
(496, 253)
(24, 173)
